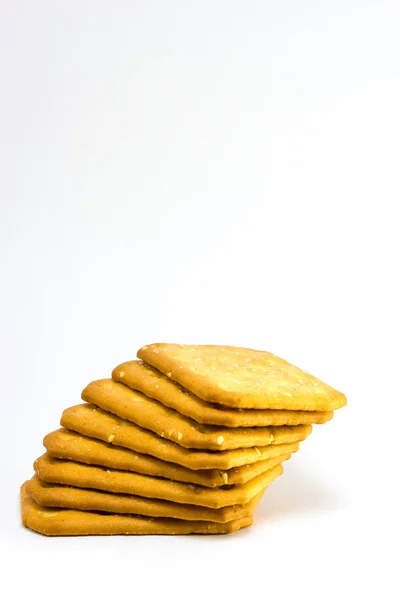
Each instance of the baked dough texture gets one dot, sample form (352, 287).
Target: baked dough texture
(241, 378)
(52, 470)
(62, 496)
(134, 406)
(59, 521)
(146, 379)
(184, 440)
(69, 445)
(91, 421)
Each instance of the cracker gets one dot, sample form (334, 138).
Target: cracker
(50, 521)
(69, 445)
(146, 379)
(61, 496)
(134, 406)
(91, 421)
(52, 470)
(241, 378)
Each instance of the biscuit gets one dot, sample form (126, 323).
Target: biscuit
(144, 378)
(241, 378)
(52, 470)
(61, 496)
(69, 445)
(50, 521)
(134, 406)
(91, 421)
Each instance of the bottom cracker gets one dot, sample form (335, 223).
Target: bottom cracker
(61, 496)
(49, 521)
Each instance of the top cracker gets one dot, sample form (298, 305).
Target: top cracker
(241, 378)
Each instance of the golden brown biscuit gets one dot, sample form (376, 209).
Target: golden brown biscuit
(60, 521)
(241, 378)
(52, 470)
(62, 496)
(144, 378)
(91, 421)
(69, 445)
(134, 406)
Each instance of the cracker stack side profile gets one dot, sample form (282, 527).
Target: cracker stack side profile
(185, 439)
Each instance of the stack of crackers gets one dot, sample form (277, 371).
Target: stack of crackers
(184, 440)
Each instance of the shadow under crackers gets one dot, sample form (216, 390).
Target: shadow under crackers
(296, 492)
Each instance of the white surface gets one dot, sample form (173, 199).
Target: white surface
(206, 172)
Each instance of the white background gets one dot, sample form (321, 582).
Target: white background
(206, 172)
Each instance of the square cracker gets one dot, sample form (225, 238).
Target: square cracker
(62, 496)
(134, 406)
(60, 521)
(241, 378)
(66, 472)
(69, 445)
(146, 379)
(93, 422)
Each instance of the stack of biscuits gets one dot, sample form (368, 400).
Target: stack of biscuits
(184, 440)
